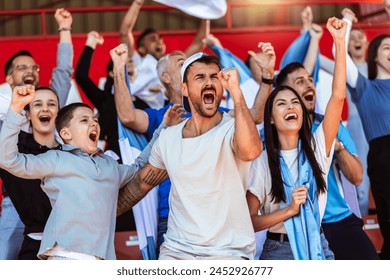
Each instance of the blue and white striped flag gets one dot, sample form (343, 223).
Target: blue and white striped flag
(145, 212)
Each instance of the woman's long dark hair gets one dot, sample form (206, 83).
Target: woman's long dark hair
(273, 147)
(373, 54)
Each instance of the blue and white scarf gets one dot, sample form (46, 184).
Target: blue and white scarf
(303, 229)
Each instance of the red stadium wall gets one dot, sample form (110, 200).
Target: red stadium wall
(238, 42)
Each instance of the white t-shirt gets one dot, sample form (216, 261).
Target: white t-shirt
(260, 181)
(208, 214)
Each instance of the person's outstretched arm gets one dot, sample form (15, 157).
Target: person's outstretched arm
(90, 89)
(26, 166)
(266, 62)
(246, 140)
(197, 44)
(133, 118)
(128, 23)
(332, 117)
(315, 32)
(62, 73)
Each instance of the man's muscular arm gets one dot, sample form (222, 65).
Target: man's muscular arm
(138, 187)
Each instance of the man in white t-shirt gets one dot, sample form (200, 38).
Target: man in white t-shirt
(207, 158)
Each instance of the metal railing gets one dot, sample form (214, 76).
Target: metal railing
(7, 15)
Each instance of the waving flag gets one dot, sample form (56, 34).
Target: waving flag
(204, 9)
(145, 212)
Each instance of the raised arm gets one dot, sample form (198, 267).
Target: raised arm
(26, 166)
(315, 32)
(352, 71)
(266, 62)
(128, 23)
(337, 29)
(310, 61)
(246, 140)
(62, 74)
(136, 119)
(197, 44)
(90, 89)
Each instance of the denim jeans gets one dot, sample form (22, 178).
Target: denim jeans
(275, 250)
(11, 231)
(161, 230)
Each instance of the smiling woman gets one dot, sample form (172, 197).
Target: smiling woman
(288, 181)
(30, 201)
(372, 99)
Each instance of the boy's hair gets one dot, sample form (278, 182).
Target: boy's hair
(10, 61)
(65, 114)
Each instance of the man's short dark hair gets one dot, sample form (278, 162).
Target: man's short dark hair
(206, 59)
(8, 64)
(146, 32)
(281, 79)
(65, 114)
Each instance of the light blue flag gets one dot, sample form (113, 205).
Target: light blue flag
(297, 51)
(145, 212)
(248, 85)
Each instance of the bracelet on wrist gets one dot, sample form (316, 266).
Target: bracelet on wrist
(267, 81)
(341, 148)
(64, 29)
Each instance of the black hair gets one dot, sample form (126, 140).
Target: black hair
(109, 80)
(281, 78)
(372, 55)
(206, 59)
(8, 64)
(248, 61)
(273, 147)
(65, 114)
(144, 33)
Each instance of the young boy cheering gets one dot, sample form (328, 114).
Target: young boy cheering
(81, 182)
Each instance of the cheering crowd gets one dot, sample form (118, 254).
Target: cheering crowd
(248, 161)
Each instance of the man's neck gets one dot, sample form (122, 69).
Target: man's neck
(198, 125)
(175, 98)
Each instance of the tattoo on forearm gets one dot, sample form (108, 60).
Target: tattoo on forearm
(154, 177)
(129, 196)
(135, 190)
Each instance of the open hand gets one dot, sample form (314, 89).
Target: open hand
(266, 58)
(174, 115)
